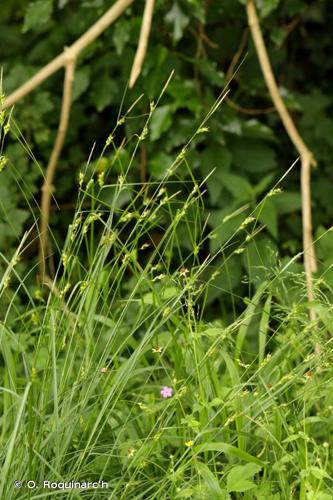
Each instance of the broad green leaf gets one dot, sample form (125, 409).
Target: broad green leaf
(104, 91)
(178, 20)
(211, 481)
(268, 215)
(253, 156)
(267, 6)
(37, 14)
(238, 186)
(210, 72)
(318, 473)
(254, 129)
(228, 449)
(248, 317)
(81, 82)
(161, 121)
(121, 34)
(159, 164)
(287, 202)
(184, 94)
(239, 477)
(214, 162)
(259, 257)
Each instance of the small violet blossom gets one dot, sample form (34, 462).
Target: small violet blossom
(166, 392)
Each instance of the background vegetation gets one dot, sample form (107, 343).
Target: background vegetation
(199, 40)
(214, 307)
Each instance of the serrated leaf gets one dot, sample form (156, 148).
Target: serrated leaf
(238, 186)
(38, 13)
(81, 82)
(267, 214)
(267, 6)
(211, 481)
(214, 162)
(159, 164)
(160, 121)
(104, 91)
(178, 19)
(239, 477)
(209, 70)
(121, 35)
(318, 473)
(287, 202)
(253, 156)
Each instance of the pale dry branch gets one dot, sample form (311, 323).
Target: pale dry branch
(71, 52)
(48, 188)
(143, 42)
(66, 59)
(306, 156)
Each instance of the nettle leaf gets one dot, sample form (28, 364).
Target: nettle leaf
(215, 157)
(254, 129)
(198, 9)
(12, 221)
(324, 243)
(253, 156)
(214, 162)
(159, 164)
(184, 95)
(104, 91)
(121, 35)
(81, 82)
(238, 186)
(16, 75)
(160, 121)
(225, 224)
(268, 215)
(267, 6)
(239, 477)
(37, 14)
(227, 279)
(259, 255)
(233, 126)
(287, 202)
(210, 72)
(178, 19)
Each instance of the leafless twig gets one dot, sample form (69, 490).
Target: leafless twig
(71, 52)
(66, 59)
(306, 156)
(143, 42)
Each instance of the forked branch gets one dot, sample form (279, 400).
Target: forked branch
(71, 52)
(66, 59)
(306, 156)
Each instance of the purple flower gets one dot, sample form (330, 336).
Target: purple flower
(166, 392)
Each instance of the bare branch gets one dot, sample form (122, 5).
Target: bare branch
(47, 188)
(306, 156)
(71, 52)
(143, 42)
(67, 59)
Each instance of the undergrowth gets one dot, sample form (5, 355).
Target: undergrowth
(112, 370)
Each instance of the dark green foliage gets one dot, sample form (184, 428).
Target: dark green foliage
(198, 40)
